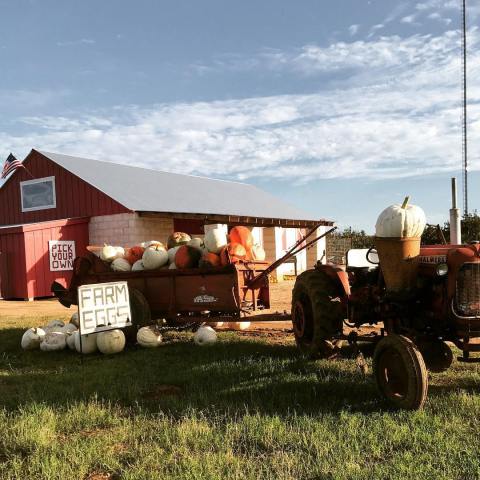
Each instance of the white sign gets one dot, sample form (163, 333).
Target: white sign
(103, 306)
(62, 254)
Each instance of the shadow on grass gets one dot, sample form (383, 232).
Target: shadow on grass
(231, 376)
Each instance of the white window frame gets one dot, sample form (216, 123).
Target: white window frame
(39, 180)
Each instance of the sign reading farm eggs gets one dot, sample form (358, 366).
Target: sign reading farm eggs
(103, 306)
(62, 254)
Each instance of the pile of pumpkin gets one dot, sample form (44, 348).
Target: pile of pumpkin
(182, 251)
(57, 335)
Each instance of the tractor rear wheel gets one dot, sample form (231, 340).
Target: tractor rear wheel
(317, 313)
(400, 372)
(141, 314)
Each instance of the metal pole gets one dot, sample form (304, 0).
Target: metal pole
(464, 123)
(455, 224)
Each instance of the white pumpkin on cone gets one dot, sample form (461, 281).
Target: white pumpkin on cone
(401, 221)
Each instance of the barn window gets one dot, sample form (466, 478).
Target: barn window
(38, 194)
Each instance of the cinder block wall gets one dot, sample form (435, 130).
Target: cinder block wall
(128, 229)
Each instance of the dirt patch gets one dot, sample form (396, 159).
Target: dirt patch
(161, 391)
(38, 308)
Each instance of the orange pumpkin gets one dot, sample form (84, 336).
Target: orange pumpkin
(187, 257)
(133, 254)
(232, 253)
(210, 260)
(243, 236)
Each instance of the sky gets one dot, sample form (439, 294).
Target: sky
(339, 107)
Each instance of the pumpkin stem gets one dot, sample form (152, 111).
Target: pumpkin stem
(405, 202)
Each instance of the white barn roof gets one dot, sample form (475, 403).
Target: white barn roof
(146, 190)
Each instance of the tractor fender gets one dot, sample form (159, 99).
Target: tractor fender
(338, 274)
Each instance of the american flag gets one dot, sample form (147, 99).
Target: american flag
(11, 164)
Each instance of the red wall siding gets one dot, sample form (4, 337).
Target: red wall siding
(75, 198)
(26, 248)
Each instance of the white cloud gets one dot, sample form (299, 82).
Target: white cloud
(397, 116)
(353, 29)
(81, 41)
(409, 19)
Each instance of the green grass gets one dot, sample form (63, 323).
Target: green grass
(241, 409)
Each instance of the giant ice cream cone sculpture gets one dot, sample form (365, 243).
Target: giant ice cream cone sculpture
(397, 237)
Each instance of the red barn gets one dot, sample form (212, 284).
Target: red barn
(58, 204)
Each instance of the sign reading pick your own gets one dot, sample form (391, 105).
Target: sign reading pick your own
(62, 254)
(103, 306)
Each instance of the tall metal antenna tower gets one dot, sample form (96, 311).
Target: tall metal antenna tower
(464, 115)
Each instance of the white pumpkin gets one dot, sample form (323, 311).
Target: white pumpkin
(53, 341)
(48, 329)
(258, 252)
(89, 343)
(74, 320)
(172, 266)
(171, 254)
(151, 243)
(214, 324)
(197, 243)
(110, 342)
(108, 253)
(238, 325)
(153, 258)
(71, 340)
(138, 266)
(149, 337)
(55, 323)
(32, 338)
(401, 221)
(215, 240)
(205, 335)
(121, 265)
(69, 328)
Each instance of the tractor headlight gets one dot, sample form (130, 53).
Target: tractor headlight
(442, 269)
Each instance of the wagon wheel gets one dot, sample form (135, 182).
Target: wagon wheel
(437, 354)
(317, 313)
(141, 315)
(400, 372)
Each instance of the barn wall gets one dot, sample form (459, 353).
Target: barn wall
(74, 197)
(128, 229)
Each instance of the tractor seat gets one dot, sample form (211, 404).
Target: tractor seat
(357, 260)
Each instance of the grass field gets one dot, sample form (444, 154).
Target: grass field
(246, 408)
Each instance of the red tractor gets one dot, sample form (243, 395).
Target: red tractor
(330, 303)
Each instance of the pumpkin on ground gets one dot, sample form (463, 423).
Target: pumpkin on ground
(215, 240)
(71, 340)
(154, 258)
(69, 328)
(187, 257)
(53, 341)
(111, 341)
(149, 337)
(75, 320)
(178, 238)
(121, 265)
(238, 325)
(401, 221)
(89, 343)
(209, 260)
(241, 235)
(205, 336)
(32, 338)
(55, 323)
(232, 253)
(134, 254)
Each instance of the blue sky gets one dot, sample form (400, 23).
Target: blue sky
(341, 108)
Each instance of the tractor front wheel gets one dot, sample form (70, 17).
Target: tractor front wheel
(317, 313)
(400, 372)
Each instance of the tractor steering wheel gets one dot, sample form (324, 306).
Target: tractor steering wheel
(372, 256)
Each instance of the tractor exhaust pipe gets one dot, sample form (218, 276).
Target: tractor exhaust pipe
(455, 224)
